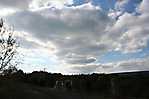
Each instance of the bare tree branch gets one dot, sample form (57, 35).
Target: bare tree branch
(8, 46)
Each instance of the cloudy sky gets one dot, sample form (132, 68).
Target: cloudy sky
(80, 36)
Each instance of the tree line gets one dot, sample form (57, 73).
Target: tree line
(135, 84)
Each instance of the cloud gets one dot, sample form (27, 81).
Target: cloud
(78, 59)
(83, 33)
(6, 12)
(132, 35)
(83, 69)
(37, 4)
(120, 5)
(74, 30)
(144, 6)
(19, 4)
(121, 66)
(32, 4)
(130, 65)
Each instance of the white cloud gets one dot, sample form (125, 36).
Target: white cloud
(131, 32)
(120, 5)
(33, 4)
(6, 12)
(80, 35)
(38, 4)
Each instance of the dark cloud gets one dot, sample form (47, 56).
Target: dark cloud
(130, 65)
(80, 60)
(73, 31)
(122, 66)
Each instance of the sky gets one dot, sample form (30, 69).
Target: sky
(80, 36)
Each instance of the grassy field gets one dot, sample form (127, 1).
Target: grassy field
(17, 90)
(10, 89)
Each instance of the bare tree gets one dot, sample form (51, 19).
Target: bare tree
(8, 46)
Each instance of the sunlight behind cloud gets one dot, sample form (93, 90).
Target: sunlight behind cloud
(48, 47)
(6, 11)
(78, 33)
(36, 4)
